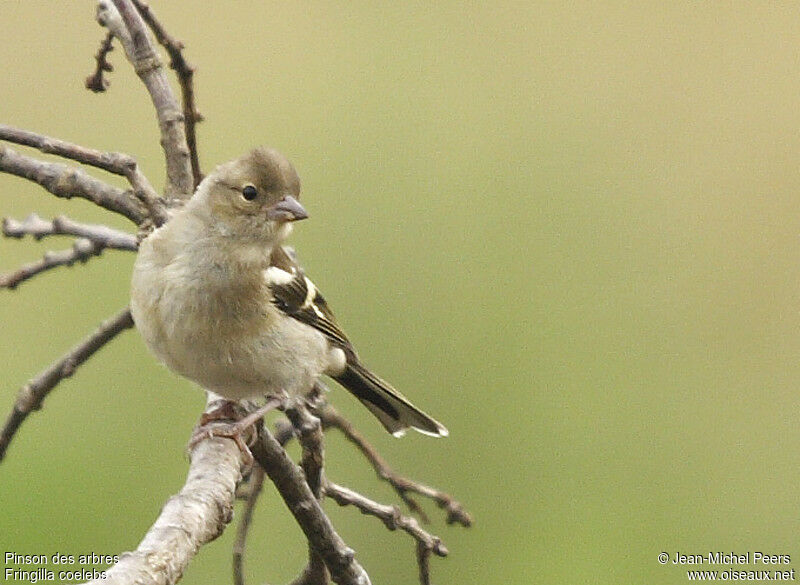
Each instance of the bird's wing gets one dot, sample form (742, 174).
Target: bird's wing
(296, 296)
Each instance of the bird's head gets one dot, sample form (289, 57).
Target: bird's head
(254, 197)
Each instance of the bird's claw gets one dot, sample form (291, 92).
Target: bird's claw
(216, 423)
(228, 430)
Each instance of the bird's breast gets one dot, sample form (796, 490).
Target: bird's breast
(218, 328)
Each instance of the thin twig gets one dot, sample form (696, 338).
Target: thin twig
(82, 249)
(291, 484)
(68, 182)
(38, 228)
(32, 394)
(92, 240)
(389, 515)
(239, 545)
(122, 19)
(113, 162)
(455, 511)
(185, 72)
(195, 516)
(393, 519)
(309, 433)
(424, 563)
(97, 82)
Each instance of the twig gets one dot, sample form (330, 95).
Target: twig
(284, 432)
(82, 249)
(291, 484)
(239, 545)
(190, 519)
(455, 511)
(122, 19)
(424, 564)
(67, 182)
(97, 82)
(185, 72)
(389, 515)
(92, 240)
(32, 394)
(102, 235)
(309, 433)
(393, 519)
(113, 162)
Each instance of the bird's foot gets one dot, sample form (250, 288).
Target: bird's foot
(225, 410)
(217, 423)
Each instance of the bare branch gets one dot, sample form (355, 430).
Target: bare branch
(390, 515)
(393, 519)
(102, 235)
(82, 249)
(32, 394)
(239, 545)
(292, 486)
(309, 433)
(455, 511)
(92, 240)
(284, 432)
(424, 564)
(67, 182)
(113, 162)
(190, 519)
(122, 19)
(97, 82)
(185, 72)
(314, 573)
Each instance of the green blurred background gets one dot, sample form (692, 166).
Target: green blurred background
(569, 231)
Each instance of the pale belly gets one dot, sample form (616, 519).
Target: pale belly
(227, 343)
(256, 365)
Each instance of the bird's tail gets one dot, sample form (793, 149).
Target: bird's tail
(394, 411)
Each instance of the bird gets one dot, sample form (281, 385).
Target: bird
(220, 300)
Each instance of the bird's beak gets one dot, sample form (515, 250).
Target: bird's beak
(287, 209)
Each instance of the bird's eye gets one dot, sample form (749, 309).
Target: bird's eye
(249, 192)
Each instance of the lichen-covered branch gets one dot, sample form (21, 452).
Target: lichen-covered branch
(295, 492)
(185, 72)
(455, 511)
(38, 228)
(113, 162)
(190, 519)
(32, 394)
(122, 19)
(68, 182)
(393, 519)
